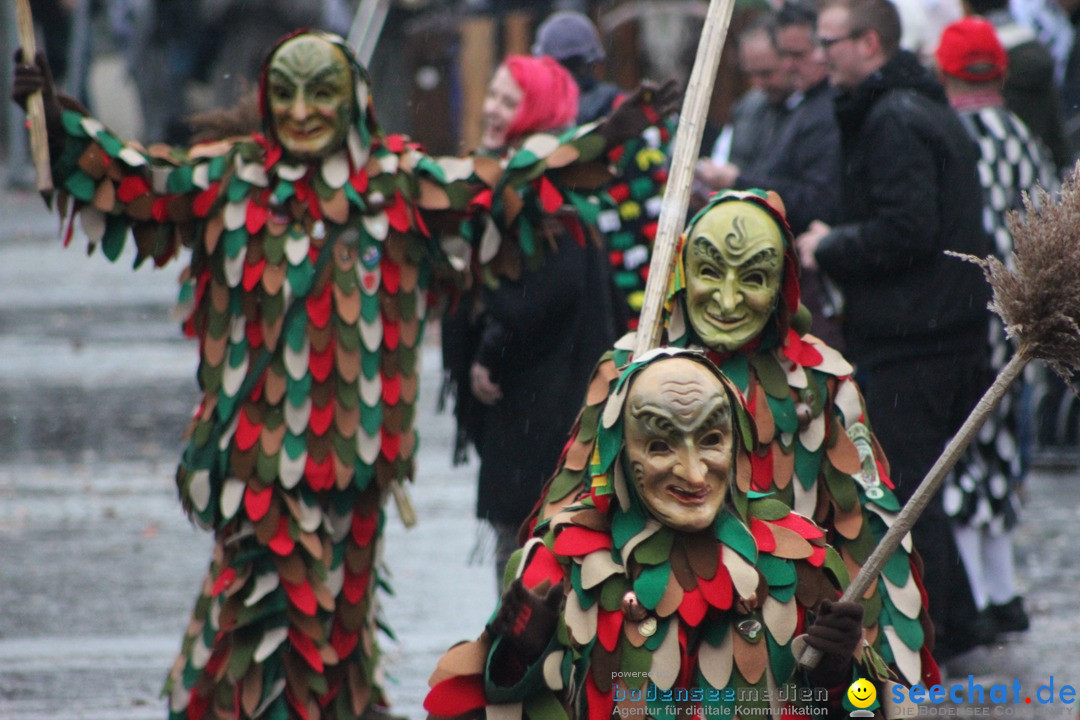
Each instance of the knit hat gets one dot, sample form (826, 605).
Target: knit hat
(568, 34)
(549, 95)
(970, 50)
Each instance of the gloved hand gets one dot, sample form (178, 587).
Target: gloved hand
(644, 107)
(29, 78)
(528, 619)
(836, 632)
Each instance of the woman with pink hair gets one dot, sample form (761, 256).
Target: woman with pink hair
(515, 351)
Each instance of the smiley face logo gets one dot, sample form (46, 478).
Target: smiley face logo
(862, 693)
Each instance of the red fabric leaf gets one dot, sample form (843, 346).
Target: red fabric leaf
(224, 580)
(456, 696)
(301, 596)
(391, 389)
(391, 334)
(817, 557)
(481, 200)
(321, 417)
(320, 306)
(391, 445)
(256, 217)
(257, 502)
(801, 525)
(391, 275)
(282, 543)
(395, 143)
(344, 642)
(359, 180)
(693, 607)
(253, 274)
(601, 704)
(398, 213)
(763, 536)
(575, 541)
(197, 705)
(306, 647)
(608, 625)
(321, 363)
(418, 217)
(130, 188)
(320, 475)
(543, 565)
(761, 472)
(160, 209)
(550, 198)
(355, 585)
(254, 332)
(363, 528)
(247, 432)
(718, 591)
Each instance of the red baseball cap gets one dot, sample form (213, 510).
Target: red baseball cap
(970, 50)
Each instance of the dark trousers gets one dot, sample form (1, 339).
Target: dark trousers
(915, 406)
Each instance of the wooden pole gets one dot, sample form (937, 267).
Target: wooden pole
(905, 519)
(684, 157)
(35, 106)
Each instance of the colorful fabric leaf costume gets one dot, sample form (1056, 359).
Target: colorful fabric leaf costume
(308, 284)
(815, 451)
(662, 617)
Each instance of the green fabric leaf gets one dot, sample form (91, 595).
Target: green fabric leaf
(655, 550)
(295, 331)
(807, 464)
(300, 278)
(898, 567)
(841, 487)
(732, 532)
(112, 243)
(72, 122)
(777, 571)
(180, 180)
(769, 509)
(781, 661)
(651, 583)
(626, 525)
(909, 629)
(294, 445)
(297, 391)
(544, 706)
(81, 186)
(772, 377)
(783, 412)
(369, 363)
(612, 591)
(238, 189)
(234, 241)
(737, 368)
(109, 143)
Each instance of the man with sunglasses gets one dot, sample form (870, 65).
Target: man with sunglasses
(915, 319)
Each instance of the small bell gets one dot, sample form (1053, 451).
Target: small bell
(633, 609)
(749, 628)
(647, 627)
(805, 414)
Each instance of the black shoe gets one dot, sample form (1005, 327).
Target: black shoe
(1011, 617)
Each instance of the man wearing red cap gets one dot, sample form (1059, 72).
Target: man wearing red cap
(979, 495)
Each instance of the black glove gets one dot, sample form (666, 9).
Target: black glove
(836, 632)
(528, 619)
(644, 107)
(32, 78)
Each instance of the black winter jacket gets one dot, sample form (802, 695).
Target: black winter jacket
(910, 192)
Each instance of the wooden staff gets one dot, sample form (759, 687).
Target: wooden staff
(35, 106)
(1039, 302)
(680, 177)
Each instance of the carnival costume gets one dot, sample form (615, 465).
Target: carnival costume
(815, 450)
(307, 290)
(655, 619)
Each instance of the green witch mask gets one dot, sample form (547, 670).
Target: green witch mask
(310, 90)
(678, 433)
(734, 269)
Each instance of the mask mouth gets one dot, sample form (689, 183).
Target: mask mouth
(685, 496)
(725, 322)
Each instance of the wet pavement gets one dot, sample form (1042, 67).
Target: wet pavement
(98, 565)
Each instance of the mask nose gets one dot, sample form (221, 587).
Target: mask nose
(691, 468)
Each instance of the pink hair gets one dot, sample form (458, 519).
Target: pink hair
(549, 95)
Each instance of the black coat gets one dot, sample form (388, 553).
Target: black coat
(540, 337)
(910, 193)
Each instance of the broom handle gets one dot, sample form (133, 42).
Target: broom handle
(35, 106)
(695, 107)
